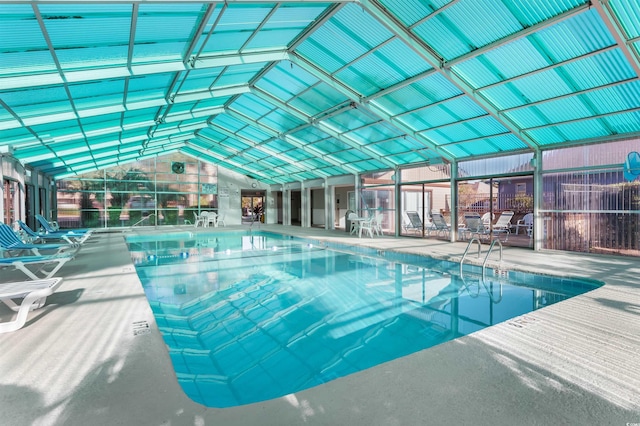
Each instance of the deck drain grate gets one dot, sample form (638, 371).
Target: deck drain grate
(141, 327)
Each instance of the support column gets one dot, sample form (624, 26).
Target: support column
(538, 223)
(453, 235)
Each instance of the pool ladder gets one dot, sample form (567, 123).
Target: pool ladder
(486, 258)
(482, 280)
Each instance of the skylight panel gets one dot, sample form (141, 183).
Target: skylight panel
(411, 11)
(154, 82)
(107, 120)
(585, 129)
(565, 109)
(348, 120)
(291, 15)
(406, 158)
(466, 26)
(243, 17)
(318, 99)
(48, 117)
(286, 80)
(36, 98)
(239, 74)
(211, 103)
(273, 39)
(83, 34)
(7, 122)
(19, 29)
(253, 134)
(626, 13)
(229, 123)
(531, 89)
(97, 88)
(369, 165)
(252, 106)
(624, 123)
(281, 121)
(199, 78)
(498, 65)
(236, 144)
(280, 145)
(600, 69)
(372, 134)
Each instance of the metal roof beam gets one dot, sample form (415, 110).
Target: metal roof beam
(431, 105)
(254, 145)
(322, 126)
(578, 120)
(115, 71)
(54, 56)
(569, 95)
(547, 68)
(519, 34)
(429, 55)
(295, 142)
(615, 28)
(399, 85)
(180, 76)
(369, 106)
(133, 106)
(478, 139)
(220, 159)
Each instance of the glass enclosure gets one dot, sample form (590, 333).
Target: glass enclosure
(167, 190)
(378, 195)
(591, 198)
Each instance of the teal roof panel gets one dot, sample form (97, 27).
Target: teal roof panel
(627, 13)
(466, 26)
(409, 12)
(389, 65)
(285, 80)
(313, 89)
(23, 46)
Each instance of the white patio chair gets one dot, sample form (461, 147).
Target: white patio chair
(220, 220)
(198, 220)
(526, 222)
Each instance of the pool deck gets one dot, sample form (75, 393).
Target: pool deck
(83, 360)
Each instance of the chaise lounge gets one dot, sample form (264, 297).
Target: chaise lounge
(23, 263)
(33, 294)
(12, 243)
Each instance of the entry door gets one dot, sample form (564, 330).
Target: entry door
(252, 208)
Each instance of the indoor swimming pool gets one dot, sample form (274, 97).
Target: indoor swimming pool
(252, 317)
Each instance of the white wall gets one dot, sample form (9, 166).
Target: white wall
(230, 186)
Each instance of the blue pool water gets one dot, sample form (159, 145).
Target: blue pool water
(248, 318)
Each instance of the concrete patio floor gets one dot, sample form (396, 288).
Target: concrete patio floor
(77, 361)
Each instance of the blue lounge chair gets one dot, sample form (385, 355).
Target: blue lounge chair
(69, 237)
(39, 263)
(48, 228)
(11, 242)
